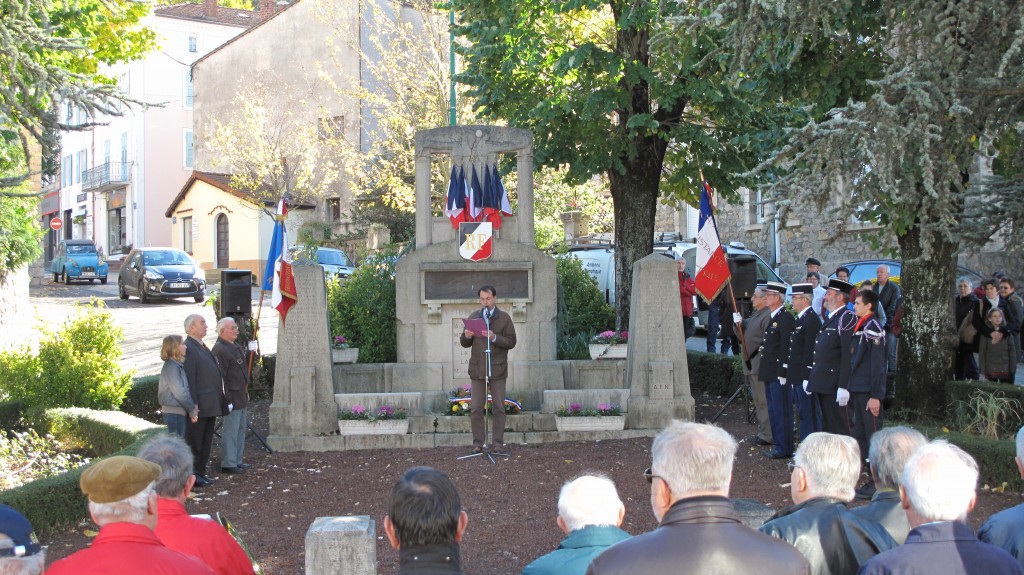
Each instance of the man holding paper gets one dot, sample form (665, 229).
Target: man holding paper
(496, 335)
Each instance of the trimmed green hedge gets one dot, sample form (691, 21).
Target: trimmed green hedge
(57, 501)
(10, 414)
(713, 373)
(994, 457)
(141, 400)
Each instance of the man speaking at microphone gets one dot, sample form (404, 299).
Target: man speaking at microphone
(498, 337)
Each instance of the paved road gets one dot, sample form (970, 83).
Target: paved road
(144, 325)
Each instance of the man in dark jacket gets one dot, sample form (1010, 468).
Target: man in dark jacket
(830, 371)
(231, 358)
(890, 299)
(965, 366)
(797, 369)
(425, 523)
(774, 352)
(207, 389)
(1006, 528)
(937, 489)
(699, 530)
(867, 370)
(488, 366)
(891, 448)
(753, 335)
(825, 470)
(589, 513)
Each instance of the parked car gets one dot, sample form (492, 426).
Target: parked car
(335, 262)
(160, 273)
(78, 260)
(862, 270)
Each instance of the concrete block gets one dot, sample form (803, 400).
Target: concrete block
(453, 439)
(597, 374)
(407, 441)
(656, 414)
(359, 378)
(453, 424)
(319, 443)
(342, 546)
(588, 398)
(544, 422)
(410, 401)
(416, 377)
(530, 380)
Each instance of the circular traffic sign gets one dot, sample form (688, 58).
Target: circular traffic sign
(56, 224)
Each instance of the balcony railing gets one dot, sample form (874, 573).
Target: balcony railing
(105, 177)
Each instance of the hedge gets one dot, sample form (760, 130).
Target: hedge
(994, 456)
(714, 373)
(141, 400)
(960, 391)
(10, 414)
(57, 501)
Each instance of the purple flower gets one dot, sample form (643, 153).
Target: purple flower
(604, 406)
(358, 409)
(339, 339)
(575, 408)
(385, 410)
(467, 387)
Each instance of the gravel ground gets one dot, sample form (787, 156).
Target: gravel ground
(511, 505)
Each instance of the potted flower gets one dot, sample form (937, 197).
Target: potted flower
(361, 420)
(459, 402)
(609, 345)
(604, 417)
(342, 351)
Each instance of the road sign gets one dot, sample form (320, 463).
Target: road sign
(56, 224)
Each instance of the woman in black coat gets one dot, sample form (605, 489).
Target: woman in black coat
(965, 366)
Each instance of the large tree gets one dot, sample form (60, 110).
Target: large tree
(912, 153)
(582, 76)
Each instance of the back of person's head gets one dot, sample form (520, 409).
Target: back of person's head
(425, 508)
(940, 481)
(20, 552)
(890, 449)
(169, 348)
(119, 489)
(831, 464)
(694, 458)
(174, 457)
(589, 500)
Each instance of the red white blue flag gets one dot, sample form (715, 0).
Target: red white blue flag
(712, 267)
(279, 267)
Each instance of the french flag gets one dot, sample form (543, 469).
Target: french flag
(712, 267)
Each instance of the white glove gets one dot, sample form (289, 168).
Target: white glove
(737, 317)
(805, 387)
(231, 407)
(842, 397)
(782, 380)
(253, 345)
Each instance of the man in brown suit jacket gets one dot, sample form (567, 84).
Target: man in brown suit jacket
(501, 335)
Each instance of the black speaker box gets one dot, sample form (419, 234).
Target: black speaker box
(235, 292)
(744, 276)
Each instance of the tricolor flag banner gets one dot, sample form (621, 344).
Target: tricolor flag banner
(496, 202)
(279, 267)
(475, 240)
(712, 267)
(455, 206)
(476, 197)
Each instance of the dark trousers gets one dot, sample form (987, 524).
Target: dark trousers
(476, 411)
(199, 436)
(965, 366)
(714, 325)
(780, 414)
(864, 424)
(807, 408)
(730, 342)
(834, 418)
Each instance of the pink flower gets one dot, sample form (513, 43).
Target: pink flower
(358, 409)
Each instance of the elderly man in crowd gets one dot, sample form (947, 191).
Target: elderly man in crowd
(890, 298)
(123, 503)
(825, 471)
(890, 449)
(203, 539)
(425, 523)
(1006, 528)
(589, 513)
(20, 552)
(753, 335)
(699, 530)
(207, 389)
(231, 358)
(937, 490)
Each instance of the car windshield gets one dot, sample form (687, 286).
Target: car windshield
(166, 258)
(78, 249)
(332, 258)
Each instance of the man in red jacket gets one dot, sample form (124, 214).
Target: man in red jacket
(687, 289)
(203, 539)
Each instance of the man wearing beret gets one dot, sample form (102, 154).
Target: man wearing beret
(814, 267)
(20, 553)
(123, 503)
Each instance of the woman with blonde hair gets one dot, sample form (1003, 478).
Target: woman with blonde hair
(175, 400)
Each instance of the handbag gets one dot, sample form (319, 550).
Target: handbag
(968, 333)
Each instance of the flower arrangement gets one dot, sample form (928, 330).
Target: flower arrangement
(340, 342)
(611, 337)
(459, 400)
(577, 410)
(359, 412)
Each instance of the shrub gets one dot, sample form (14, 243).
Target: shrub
(993, 406)
(141, 399)
(714, 374)
(263, 375)
(994, 456)
(574, 346)
(363, 308)
(581, 306)
(75, 367)
(10, 415)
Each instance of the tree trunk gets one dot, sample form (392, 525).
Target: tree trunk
(635, 200)
(928, 342)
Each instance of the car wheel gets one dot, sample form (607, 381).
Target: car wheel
(67, 280)
(142, 293)
(120, 291)
(200, 298)
(56, 277)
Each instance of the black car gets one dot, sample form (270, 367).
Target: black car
(152, 273)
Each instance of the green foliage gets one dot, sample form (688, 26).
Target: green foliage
(362, 308)
(575, 346)
(581, 306)
(263, 375)
(141, 400)
(982, 407)
(714, 374)
(57, 501)
(19, 233)
(10, 415)
(994, 456)
(25, 456)
(75, 367)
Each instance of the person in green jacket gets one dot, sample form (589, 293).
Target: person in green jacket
(590, 513)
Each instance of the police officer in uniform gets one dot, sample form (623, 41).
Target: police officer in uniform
(774, 352)
(797, 368)
(830, 371)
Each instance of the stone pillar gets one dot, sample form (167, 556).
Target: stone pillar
(656, 369)
(303, 381)
(575, 224)
(524, 171)
(424, 233)
(341, 546)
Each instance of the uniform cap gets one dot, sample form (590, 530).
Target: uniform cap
(840, 285)
(803, 289)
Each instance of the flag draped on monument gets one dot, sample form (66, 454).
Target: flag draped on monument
(277, 276)
(712, 267)
(476, 198)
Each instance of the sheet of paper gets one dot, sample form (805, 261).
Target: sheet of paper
(475, 325)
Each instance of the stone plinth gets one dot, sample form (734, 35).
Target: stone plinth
(341, 546)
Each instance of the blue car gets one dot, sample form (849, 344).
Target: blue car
(78, 260)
